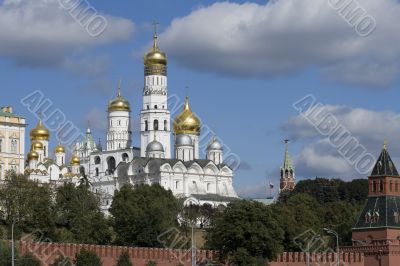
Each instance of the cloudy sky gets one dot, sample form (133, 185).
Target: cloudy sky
(243, 64)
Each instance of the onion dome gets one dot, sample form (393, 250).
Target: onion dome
(59, 149)
(40, 132)
(119, 103)
(75, 160)
(183, 140)
(36, 145)
(155, 146)
(187, 122)
(155, 56)
(33, 156)
(214, 145)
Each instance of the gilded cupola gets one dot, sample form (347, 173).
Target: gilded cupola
(155, 60)
(119, 103)
(40, 132)
(75, 160)
(187, 122)
(36, 145)
(59, 149)
(33, 156)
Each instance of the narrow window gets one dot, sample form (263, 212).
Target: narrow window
(165, 125)
(146, 125)
(156, 125)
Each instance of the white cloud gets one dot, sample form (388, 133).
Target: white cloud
(320, 158)
(39, 33)
(285, 36)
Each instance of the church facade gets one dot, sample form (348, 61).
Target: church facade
(176, 167)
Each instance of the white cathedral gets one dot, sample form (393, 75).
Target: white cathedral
(177, 168)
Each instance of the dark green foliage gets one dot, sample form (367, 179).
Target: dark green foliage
(151, 263)
(28, 204)
(333, 190)
(5, 254)
(321, 203)
(62, 261)
(246, 230)
(79, 216)
(124, 260)
(87, 258)
(141, 214)
(28, 260)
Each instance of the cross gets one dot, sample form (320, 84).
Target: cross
(155, 26)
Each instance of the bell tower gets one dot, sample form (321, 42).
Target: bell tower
(287, 181)
(155, 118)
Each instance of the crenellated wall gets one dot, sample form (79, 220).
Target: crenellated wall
(320, 259)
(48, 252)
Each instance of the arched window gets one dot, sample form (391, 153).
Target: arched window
(146, 125)
(156, 124)
(97, 160)
(97, 171)
(381, 186)
(396, 186)
(148, 107)
(13, 146)
(391, 186)
(111, 165)
(165, 125)
(1, 145)
(125, 157)
(155, 107)
(119, 122)
(374, 186)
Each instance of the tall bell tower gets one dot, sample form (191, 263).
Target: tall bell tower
(155, 118)
(287, 181)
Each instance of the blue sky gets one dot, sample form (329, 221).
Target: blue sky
(244, 63)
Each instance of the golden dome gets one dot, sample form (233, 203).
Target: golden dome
(33, 155)
(119, 103)
(155, 56)
(187, 122)
(36, 145)
(59, 149)
(75, 160)
(40, 132)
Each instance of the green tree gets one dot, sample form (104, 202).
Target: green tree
(28, 204)
(245, 228)
(62, 261)
(124, 260)
(5, 254)
(79, 216)
(151, 263)
(141, 214)
(87, 258)
(28, 260)
(300, 213)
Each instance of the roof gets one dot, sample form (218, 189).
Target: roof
(381, 211)
(213, 197)
(9, 114)
(144, 161)
(266, 201)
(384, 165)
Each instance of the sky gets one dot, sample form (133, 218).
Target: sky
(244, 65)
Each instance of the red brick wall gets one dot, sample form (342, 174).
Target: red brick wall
(320, 259)
(48, 252)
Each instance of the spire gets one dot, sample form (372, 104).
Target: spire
(119, 88)
(155, 36)
(187, 105)
(287, 163)
(384, 165)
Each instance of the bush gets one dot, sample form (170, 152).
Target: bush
(87, 258)
(151, 263)
(62, 261)
(124, 260)
(28, 260)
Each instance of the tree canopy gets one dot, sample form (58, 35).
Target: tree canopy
(142, 213)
